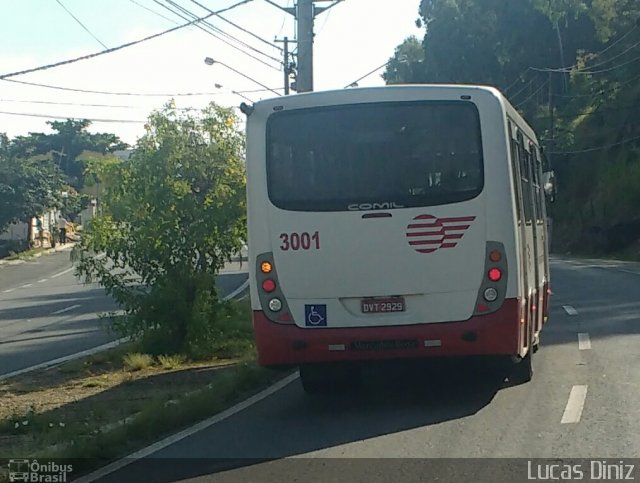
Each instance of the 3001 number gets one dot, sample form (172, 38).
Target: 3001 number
(300, 241)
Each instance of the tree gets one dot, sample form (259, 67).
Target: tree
(575, 59)
(68, 141)
(173, 214)
(28, 187)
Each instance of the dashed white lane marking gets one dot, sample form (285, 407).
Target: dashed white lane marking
(59, 274)
(66, 309)
(26, 285)
(43, 280)
(9, 290)
(143, 453)
(575, 405)
(584, 342)
(570, 310)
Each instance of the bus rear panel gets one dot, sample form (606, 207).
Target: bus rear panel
(383, 223)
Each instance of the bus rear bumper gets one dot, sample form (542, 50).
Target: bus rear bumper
(493, 334)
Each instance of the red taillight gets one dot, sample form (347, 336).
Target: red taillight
(268, 285)
(495, 274)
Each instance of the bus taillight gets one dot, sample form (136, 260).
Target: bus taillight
(495, 256)
(495, 274)
(268, 285)
(266, 267)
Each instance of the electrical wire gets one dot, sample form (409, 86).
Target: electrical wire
(81, 24)
(271, 44)
(154, 12)
(135, 94)
(48, 116)
(368, 74)
(114, 49)
(544, 84)
(217, 35)
(598, 148)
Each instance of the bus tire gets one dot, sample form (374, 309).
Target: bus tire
(522, 371)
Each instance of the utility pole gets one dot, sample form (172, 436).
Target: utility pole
(305, 12)
(305, 19)
(288, 66)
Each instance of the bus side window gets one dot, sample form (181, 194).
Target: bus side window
(525, 182)
(537, 170)
(514, 168)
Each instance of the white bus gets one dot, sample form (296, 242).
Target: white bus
(394, 222)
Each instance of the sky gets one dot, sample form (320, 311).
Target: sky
(351, 39)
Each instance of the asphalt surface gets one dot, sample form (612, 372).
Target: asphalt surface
(582, 403)
(47, 313)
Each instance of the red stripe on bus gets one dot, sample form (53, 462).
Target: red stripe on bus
(426, 250)
(448, 228)
(448, 245)
(435, 233)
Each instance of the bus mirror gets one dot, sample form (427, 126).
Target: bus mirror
(549, 185)
(246, 109)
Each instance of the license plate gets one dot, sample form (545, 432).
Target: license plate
(378, 306)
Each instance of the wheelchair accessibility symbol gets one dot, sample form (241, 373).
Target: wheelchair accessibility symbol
(315, 315)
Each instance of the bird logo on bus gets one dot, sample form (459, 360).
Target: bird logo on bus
(427, 233)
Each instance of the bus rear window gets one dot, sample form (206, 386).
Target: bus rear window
(351, 156)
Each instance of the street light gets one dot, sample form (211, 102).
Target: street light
(210, 61)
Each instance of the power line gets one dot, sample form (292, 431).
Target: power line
(54, 103)
(217, 32)
(154, 12)
(81, 24)
(271, 44)
(135, 94)
(114, 49)
(543, 85)
(368, 74)
(48, 116)
(223, 33)
(599, 148)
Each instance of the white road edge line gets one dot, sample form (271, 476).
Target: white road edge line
(575, 405)
(237, 291)
(584, 343)
(570, 310)
(143, 453)
(59, 274)
(66, 309)
(43, 280)
(26, 285)
(628, 271)
(9, 290)
(60, 360)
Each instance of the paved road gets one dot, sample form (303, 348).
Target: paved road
(46, 313)
(582, 403)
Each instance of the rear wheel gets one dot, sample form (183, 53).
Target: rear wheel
(522, 371)
(327, 378)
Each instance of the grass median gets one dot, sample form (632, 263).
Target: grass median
(107, 405)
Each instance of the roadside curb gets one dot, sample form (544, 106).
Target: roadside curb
(49, 251)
